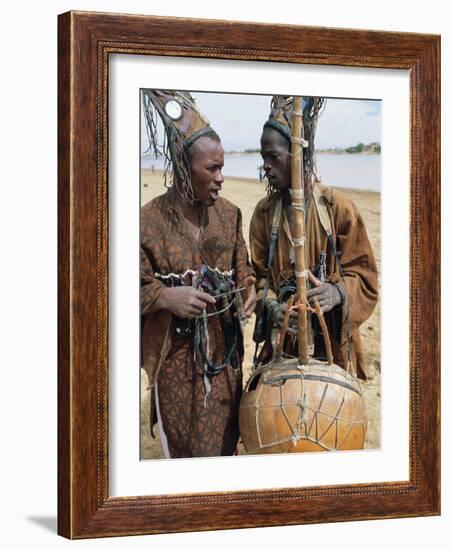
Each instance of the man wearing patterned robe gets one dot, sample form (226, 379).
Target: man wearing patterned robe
(180, 241)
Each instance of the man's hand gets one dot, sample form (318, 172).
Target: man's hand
(184, 301)
(326, 294)
(277, 312)
(250, 304)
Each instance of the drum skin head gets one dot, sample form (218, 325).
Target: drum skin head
(316, 407)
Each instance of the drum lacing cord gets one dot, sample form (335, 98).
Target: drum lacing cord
(303, 407)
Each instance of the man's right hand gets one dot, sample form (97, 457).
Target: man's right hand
(277, 312)
(184, 301)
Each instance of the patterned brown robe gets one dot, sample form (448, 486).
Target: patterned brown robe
(196, 423)
(360, 280)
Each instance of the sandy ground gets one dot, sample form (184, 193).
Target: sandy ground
(245, 194)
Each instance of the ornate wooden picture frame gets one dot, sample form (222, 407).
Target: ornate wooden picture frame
(86, 40)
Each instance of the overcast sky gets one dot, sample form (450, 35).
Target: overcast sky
(238, 119)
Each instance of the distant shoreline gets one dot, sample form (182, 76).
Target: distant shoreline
(342, 152)
(147, 173)
(318, 152)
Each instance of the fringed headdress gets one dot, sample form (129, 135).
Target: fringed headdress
(183, 124)
(280, 119)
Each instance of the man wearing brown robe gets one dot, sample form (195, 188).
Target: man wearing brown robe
(184, 243)
(348, 290)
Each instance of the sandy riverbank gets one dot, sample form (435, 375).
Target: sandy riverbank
(245, 193)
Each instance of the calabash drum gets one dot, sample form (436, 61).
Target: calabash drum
(291, 408)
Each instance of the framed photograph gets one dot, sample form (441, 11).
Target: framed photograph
(108, 65)
(345, 157)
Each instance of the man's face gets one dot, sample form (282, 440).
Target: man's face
(275, 154)
(207, 160)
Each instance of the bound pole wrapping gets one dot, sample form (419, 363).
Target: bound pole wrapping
(298, 230)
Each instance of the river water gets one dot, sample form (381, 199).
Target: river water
(355, 171)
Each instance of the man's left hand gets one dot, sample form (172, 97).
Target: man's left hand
(326, 294)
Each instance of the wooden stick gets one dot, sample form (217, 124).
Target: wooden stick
(285, 323)
(298, 230)
(326, 336)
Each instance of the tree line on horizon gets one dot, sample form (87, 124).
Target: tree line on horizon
(373, 147)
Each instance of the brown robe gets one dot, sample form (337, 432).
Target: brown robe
(360, 278)
(195, 424)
